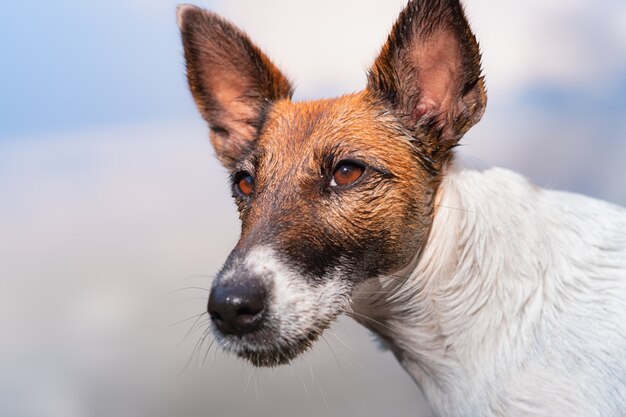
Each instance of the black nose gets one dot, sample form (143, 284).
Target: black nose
(238, 308)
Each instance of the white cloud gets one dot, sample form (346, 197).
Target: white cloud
(563, 43)
(323, 45)
(326, 45)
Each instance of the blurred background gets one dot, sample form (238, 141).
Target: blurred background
(111, 199)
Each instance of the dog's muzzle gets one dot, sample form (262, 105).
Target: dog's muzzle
(267, 312)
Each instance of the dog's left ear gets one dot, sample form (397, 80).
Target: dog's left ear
(429, 73)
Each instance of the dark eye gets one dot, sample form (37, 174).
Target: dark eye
(346, 173)
(244, 183)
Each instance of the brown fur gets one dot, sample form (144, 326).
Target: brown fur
(292, 165)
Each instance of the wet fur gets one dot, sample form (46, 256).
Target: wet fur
(516, 305)
(500, 299)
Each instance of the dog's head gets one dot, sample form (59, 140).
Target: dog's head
(334, 192)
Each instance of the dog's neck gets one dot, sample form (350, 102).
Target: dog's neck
(468, 298)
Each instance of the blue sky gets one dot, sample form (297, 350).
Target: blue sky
(70, 64)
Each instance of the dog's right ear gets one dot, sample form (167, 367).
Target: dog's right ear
(231, 80)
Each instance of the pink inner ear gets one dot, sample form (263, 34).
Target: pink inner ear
(226, 86)
(229, 90)
(438, 62)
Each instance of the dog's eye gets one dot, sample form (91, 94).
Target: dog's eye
(346, 173)
(244, 183)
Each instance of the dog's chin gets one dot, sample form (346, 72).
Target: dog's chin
(266, 348)
(279, 354)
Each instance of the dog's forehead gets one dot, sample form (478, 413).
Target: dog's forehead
(301, 131)
(300, 125)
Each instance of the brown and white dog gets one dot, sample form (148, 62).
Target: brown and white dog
(499, 298)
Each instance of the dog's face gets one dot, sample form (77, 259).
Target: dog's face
(330, 193)
(323, 205)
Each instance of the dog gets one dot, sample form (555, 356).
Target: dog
(499, 298)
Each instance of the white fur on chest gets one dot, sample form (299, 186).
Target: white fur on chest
(517, 304)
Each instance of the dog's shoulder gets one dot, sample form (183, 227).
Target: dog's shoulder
(557, 262)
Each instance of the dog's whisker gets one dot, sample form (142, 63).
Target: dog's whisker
(206, 334)
(197, 276)
(249, 372)
(207, 351)
(374, 293)
(353, 313)
(215, 355)
(190, 331)
(195, 316)
(343, 373)
(256, 383)
(187, 300)
(306, 390)
(346, 345)
(319, 387)
(454, 208)
(194, 288)
(191, 356)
